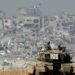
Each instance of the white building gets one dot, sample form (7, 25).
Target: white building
(7, 22)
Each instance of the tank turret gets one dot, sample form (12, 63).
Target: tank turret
(59, 54)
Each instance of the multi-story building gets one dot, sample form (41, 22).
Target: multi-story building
(5, 25)
(29, 17)
(28, 22)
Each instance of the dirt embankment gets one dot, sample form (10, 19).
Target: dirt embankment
(14, 72)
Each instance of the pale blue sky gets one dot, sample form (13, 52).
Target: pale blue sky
(49, 7)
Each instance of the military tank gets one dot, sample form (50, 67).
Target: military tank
(54, 62)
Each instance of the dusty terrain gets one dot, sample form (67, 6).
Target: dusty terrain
(14, 72)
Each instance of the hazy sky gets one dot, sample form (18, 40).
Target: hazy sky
(49, 7)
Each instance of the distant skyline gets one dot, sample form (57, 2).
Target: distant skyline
(49, 7)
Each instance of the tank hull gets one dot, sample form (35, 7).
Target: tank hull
(41, 68)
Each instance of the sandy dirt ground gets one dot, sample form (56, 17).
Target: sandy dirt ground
(14, 72)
